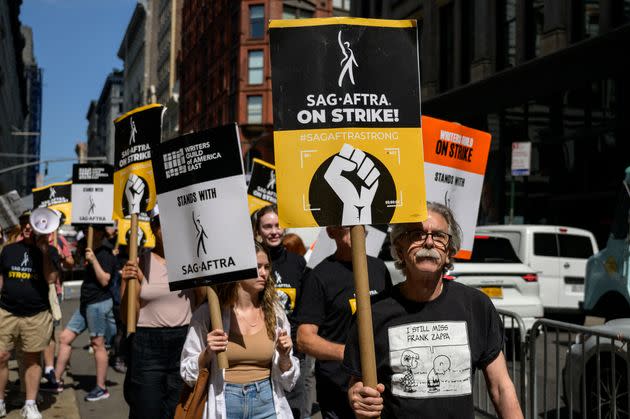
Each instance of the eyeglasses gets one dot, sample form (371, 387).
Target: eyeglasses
(439, 237)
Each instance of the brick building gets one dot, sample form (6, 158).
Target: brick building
(225, 65)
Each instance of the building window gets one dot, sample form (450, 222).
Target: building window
(535, 27)
(341, 5)
(584, 20)
(289, 12)
(254, 109)
(257, 21)
(255, 67)
(506, 48)
(447, 47)
(591, 20)
(467, 40)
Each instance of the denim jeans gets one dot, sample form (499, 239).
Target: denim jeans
(249, 401)
(152, 383)
(98, 318)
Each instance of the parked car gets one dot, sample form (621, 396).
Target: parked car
(496, 270)
(558, 254)
(585, 353)
(607, 292)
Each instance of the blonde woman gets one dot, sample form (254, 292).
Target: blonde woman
(256, 338)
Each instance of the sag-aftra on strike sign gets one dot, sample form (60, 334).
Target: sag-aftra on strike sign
(347, 138)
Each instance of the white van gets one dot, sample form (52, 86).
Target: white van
(558, 254)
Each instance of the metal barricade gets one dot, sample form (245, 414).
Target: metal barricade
(515, 350)
(577, 371)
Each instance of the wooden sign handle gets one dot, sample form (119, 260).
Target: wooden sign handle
(90, 238)
(217, 323)
(132, 283)
(364, 308)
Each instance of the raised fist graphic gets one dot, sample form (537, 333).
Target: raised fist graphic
(140, 237)
(134, 191)
(356, 196)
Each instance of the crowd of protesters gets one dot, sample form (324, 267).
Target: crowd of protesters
(289, 335)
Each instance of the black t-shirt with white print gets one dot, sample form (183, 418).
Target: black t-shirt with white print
(287, 270)
(91, 290)
(24, 288)
(427, 353)
(328, 300)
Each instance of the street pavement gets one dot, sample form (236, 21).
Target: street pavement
(79, 380)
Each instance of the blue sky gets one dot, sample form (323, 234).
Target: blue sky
(76, 42)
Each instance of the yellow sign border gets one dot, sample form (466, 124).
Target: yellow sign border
(41, 188)
(264, 163)
(357, 21)
(136, 110)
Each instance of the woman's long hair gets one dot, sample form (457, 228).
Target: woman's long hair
(228, 294)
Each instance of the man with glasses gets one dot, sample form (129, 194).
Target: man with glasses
(327, 303)
(431, 335)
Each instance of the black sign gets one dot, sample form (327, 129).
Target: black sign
(197, 157)
(53, 194)
(342, 75)
(262, 183)
(92, 174)
(136, 133)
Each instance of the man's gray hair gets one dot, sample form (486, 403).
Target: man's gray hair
(454, 230)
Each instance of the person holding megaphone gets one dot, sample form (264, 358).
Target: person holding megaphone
(26, 269)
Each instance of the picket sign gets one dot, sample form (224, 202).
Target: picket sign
(136, 133)
(261, 190)
(56, 196)
(202, 193)
(347, 140)
(92, 193)
(455, 158)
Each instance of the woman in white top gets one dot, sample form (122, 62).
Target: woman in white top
(258, 345)
(152, 382)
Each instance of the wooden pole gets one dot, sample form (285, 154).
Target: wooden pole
(364, 308)
(132, 283)
(90, 237)
(217, 323)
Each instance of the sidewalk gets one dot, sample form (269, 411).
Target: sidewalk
(79, 380)
(62, 405)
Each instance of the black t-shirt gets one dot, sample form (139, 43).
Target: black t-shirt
(427, 353)
(328, 300)
(287, 270)
(91, 290)
(24, 289)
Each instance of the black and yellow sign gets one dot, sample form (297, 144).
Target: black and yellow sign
(145, 234)
(346, 102)
(137, 132)
(261, 190)
(57, 196)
